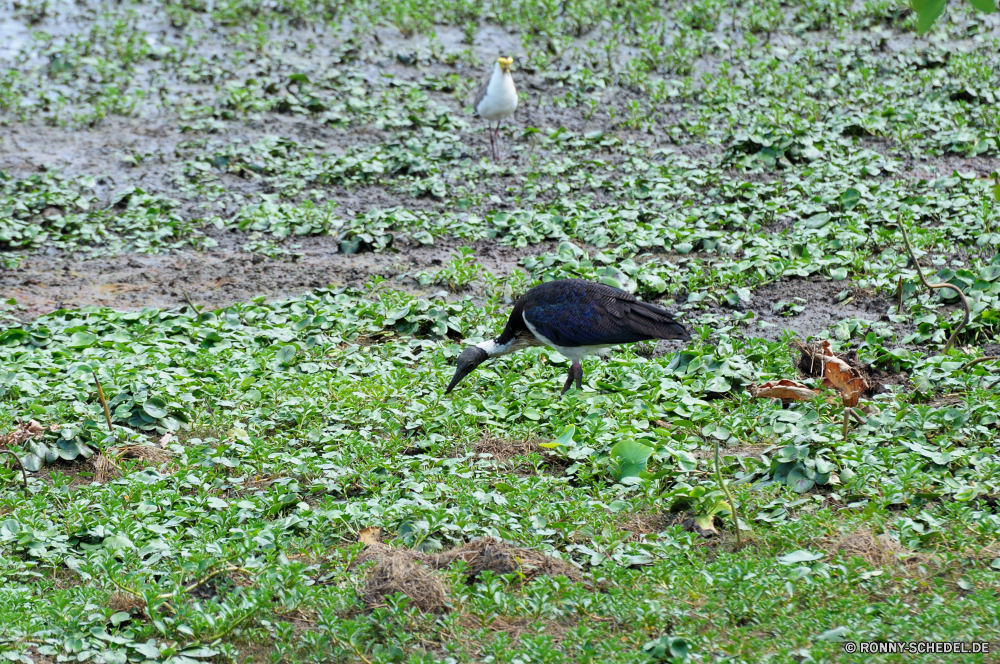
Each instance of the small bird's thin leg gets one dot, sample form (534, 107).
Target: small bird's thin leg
(493, 150)
(497, 133)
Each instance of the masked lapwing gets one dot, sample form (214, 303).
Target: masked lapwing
(497, 99)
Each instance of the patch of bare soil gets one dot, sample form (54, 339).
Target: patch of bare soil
(410, 572)
(927, 167)
(223, 275)
(642, 524)
(156, 146)
(821, 309)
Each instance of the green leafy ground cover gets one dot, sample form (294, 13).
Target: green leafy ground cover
(737, 162)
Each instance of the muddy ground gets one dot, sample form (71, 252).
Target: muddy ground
(225, 274)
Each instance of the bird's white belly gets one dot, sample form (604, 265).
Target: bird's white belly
(500, 100)
(575, 353)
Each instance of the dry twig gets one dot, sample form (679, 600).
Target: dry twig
(187, 298)
(978, 360)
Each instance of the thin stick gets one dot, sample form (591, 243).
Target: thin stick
(934, 287)
(104, 402)
(899, 294)
(978, 360)
(187, 298)
(847, 421)
(732, 501)
(24, 473)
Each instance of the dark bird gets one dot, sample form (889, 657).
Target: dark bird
(577, 318)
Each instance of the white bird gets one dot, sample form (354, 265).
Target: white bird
(497, 99)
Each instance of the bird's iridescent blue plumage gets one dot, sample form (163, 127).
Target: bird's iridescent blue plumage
(577, 317)
(575, 312)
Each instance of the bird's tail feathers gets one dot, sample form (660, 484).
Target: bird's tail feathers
(656, 322)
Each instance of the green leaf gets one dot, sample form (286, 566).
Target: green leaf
(965, 494)
(928, 11)
(285, 354)
(849, 198)
(835, 634)
(82, 340)
(32, 462)
(617, 505)
(817, 220)
(797, 480)
(565, 439)
(800, 556)
(118, 542)
(990, 273)
(985, 6)
(838, 273)
(12, 337)
(155, 407)
(120, 617)
(629, 459)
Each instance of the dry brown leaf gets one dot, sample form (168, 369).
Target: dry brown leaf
(370, 535)
(786, 390)
(841, 376)
(24, 432)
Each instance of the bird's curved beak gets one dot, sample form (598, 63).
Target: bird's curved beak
(470, 358)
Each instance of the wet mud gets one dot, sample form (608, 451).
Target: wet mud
(223, 275)
(822, 308)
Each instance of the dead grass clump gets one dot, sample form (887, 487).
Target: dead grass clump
(105, 469)
(125, 602)
(878, 551)
(147, 453)
(398, 571)
(811, 365)
(555, 631)
(501, 558)
(106, 466)
(410, 572)
(503, 450)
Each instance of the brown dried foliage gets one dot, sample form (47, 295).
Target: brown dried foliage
(410, 572)
(125, 602)
(106, 463)
(877, 550)
(24, 432)
(786, 390)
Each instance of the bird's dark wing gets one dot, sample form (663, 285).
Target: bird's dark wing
(575, 312)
